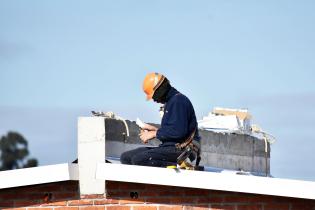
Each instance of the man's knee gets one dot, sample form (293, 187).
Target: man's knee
(125, 158)
(140, 159)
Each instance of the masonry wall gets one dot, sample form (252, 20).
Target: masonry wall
(132, 196)
(228, 151)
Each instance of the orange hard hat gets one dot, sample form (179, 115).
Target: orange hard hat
(151, 82)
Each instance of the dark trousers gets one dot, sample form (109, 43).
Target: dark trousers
(161, 156)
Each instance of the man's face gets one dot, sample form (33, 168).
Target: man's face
(160, 94)
(158, 99)
(158, 102)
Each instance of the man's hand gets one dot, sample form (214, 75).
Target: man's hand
(149, 127)
(145, 136)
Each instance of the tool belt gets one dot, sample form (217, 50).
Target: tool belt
(190, 138)
(190, 148)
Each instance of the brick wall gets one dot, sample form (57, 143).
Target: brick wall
(131, 196)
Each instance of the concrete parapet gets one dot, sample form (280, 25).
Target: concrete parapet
(227, 151)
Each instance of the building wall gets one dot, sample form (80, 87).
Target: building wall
(132, 196)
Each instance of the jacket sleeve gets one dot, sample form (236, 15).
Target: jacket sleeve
(175, 125)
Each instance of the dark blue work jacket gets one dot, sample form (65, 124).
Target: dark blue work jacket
(179, 119)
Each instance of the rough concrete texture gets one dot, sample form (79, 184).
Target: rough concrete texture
(228, 151)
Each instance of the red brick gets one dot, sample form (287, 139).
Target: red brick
(112, 185)
(39, 208)
(25, 189)
(71, 188)
(219, 193)
(134, 201)
(171, 193)
(153, 187)
(159, 200)
(92, 208)
(198, 207)
(180, 189)
(210, 200)
(26, 203)
(70, 183)
(149, 194)
(116, 194)
(66, 208)
(223, 207)
(66, 195)
(6, 203)
(278, 199)
(145, 207)
(34, 196)
(261, 199)
(197, 192)
(304, 206)
(56, 203)
(183, 200)
(27, 196)
(14, 209)
(95, 196)
(173, 207)
(249, 207)
(80, 202)
(131, 186)
(299, 201)
(8, 196)
(47, 188)
(117, 207)
(106, 201)
(281, 206)
(236, 199)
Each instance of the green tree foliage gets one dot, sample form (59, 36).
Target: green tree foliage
(14, 152)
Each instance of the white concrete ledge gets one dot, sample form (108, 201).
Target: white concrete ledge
(207, 180)
(38, 175)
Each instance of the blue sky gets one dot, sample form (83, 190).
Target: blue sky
(61, 59)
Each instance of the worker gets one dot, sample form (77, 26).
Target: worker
(178, 124)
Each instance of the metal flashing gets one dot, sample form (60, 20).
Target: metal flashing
(38, 175)
(206, 180)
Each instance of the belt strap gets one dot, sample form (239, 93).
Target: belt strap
(186, 142)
